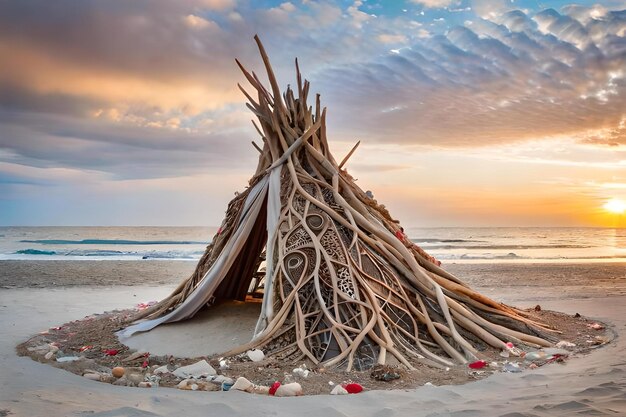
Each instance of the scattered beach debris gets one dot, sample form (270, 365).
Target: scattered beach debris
(135, 356)
(129, 368)
(242, 384)
(289, 390)
(255, 355)
(511, 367)
(118, 372)
(196, 370)
(92, 376)
(111, 352)
(338, 390)
(301, 371)
(143, 306)
(478, 364)
(385, 373)
(596, 326)
(565, 344)
(274, 387)
(69, 359)
(164, 369)
(353, 388)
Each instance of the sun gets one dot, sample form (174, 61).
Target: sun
(615, 205)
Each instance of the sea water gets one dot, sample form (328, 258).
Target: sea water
(453, 244)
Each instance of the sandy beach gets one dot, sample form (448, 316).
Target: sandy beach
(594, 384)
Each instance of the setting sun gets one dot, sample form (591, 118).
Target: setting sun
(615, 205)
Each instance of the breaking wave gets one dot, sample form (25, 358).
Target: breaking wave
(111, 242)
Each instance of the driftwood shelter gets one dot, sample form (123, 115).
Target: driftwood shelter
(342, 286)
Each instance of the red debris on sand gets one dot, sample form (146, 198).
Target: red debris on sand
(143, 306)
(478, 364)
(274, 387)
(510, 345)
(111, 352)
(353, 388)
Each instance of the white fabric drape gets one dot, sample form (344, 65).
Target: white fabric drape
(273, 214)
(214, 276)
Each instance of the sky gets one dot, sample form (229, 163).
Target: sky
(469, 113)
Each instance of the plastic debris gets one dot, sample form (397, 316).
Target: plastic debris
(84, 348)
(301, 371)
(289, 390)
(565, 344)
(69, 359)
(111, 352)
(353, 388)
(339, 390)
(478, 364)
(242, 384)
(274, 387)
(255, 355)
(143, 306)
(511, 367)
(196, 370)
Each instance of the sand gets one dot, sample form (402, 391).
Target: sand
(589, 385)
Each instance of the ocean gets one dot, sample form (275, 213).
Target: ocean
(450, 245)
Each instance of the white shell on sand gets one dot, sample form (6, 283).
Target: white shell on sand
(255, 355)
(338, 390)
(118, 372)
(49, 355)
(195, 370)
(145, 384)
(242, 384)
(53, 348)
(93, 377)
(289, 390)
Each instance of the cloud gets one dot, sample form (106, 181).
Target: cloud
(513, 78)
(435, 3)
(146, 90)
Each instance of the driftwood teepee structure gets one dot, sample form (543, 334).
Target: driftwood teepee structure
(342, 285)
